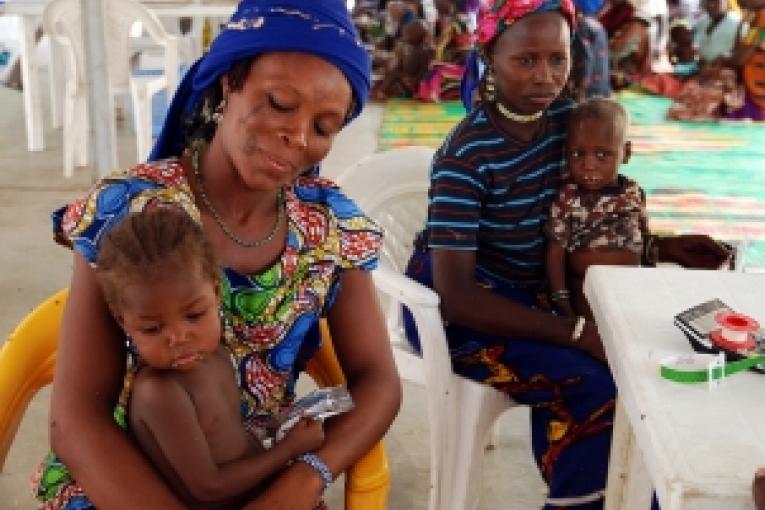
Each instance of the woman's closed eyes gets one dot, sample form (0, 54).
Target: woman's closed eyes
(322, 128)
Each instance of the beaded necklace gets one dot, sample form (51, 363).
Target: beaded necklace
(280, 206)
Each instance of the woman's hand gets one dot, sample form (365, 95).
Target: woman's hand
(693, 251)
(360, 339)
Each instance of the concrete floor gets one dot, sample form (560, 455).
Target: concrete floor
(32, 267)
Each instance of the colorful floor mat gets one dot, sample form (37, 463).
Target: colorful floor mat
(699, 177)
(409, 122)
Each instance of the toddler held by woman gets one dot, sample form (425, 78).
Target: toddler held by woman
(163, 286)
(599, 216)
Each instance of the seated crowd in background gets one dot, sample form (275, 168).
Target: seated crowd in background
(413, 56)
(707, 55)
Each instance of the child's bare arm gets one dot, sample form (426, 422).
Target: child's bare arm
(556, 276)
(170, 417)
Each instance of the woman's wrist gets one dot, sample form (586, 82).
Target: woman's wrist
(299, 485)
(310, 477)
(652, 250)
(317, 464)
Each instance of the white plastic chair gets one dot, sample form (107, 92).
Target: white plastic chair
(391, 187)
(62, 21)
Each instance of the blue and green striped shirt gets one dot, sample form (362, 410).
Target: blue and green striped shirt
(492, 193)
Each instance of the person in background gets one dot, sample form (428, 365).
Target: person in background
(717, 91)
(397, 14)
(454, 41)
(409, 63)
(708, 97)
(681, 49)
(615, 14)
(591, 50)
(599, 216)
(239, 152)
(629, 51)
(749, 56)
(682, 56)
(715, 35)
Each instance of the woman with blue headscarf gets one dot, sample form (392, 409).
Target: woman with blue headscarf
(238, 152)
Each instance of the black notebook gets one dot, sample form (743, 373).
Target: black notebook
(697, 322)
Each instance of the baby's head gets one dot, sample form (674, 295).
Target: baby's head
(161, 281)
(597, 144)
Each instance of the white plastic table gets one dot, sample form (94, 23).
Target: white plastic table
(29, 13)
(697, 447)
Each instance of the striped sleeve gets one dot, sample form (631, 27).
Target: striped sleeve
(454, 211)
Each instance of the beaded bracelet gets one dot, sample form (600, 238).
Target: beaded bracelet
(319, 466)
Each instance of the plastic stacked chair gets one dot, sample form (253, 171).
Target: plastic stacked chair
(391, 187)
(28, 358)
(63, 22)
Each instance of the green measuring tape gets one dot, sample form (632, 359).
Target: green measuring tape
(696, 368)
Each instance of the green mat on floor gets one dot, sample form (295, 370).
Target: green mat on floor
(700, 177)
(410, 122)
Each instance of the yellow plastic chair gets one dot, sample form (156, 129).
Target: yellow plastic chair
(28, 357)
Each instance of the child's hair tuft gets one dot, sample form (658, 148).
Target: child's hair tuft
(146, 245)
(604, 109)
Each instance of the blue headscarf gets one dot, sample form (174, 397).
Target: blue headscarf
(318, 27)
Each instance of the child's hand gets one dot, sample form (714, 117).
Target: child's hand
(305, 436)
(758, 489)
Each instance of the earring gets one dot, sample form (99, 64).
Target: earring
(207, 113)
(217, 115)
(489, 86)
(227, 327)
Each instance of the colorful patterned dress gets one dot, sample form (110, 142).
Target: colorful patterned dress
(274, 314)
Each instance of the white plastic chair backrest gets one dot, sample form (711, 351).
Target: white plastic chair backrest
(392, 188)
(62, 20)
